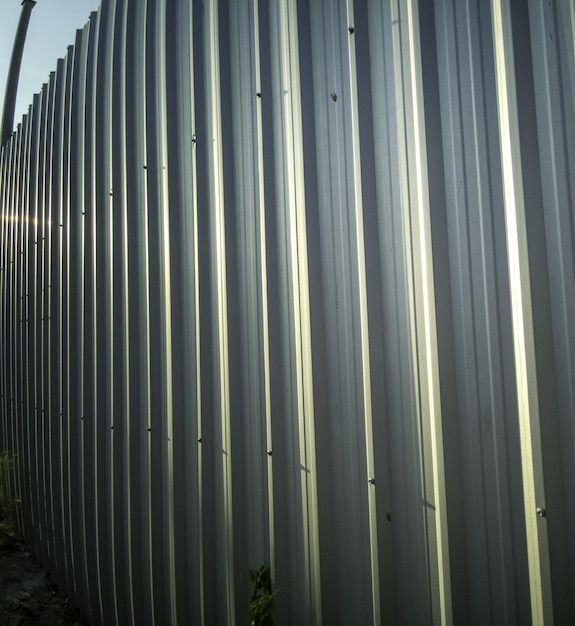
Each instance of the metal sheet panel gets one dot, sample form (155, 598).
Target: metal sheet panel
(291, 284)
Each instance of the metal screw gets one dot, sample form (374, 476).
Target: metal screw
(269, 452)
(199, 440)
(541, 512)
(351, 30)
(371, 480)
(334, 97)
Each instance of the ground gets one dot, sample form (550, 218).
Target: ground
(26, 594)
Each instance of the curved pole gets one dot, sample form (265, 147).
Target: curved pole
(14, 71)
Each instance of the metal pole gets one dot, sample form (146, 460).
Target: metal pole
(14, 71)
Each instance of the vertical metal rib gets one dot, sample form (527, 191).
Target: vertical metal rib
(14, 72)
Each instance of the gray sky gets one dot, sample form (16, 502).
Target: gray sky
(52, 28)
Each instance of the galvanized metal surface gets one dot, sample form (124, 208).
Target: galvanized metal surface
(292, 283)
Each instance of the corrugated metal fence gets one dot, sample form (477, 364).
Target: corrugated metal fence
(293, 283)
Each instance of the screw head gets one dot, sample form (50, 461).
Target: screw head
(541, 512)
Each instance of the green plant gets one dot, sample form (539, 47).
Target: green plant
(260, 607)
(7, 503)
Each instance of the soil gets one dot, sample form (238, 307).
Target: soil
(26, 594)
